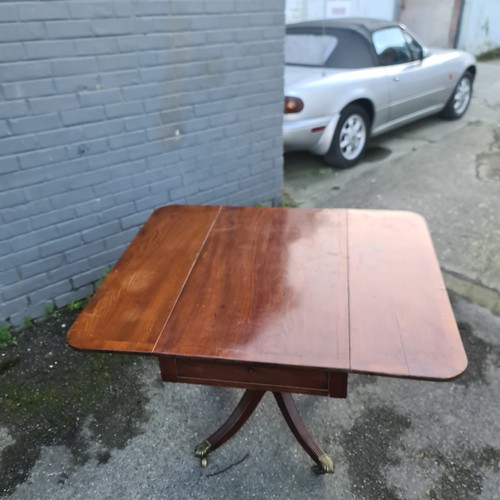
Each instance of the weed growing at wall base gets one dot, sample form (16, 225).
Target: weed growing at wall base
(51, 312)
(6, 337)
(103, 277)
(27, 322)
(78, 305)
(489, 55)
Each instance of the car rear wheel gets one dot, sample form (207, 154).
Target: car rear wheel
(350, 138)
(460, 99)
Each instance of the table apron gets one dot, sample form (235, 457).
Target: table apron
(256, 376)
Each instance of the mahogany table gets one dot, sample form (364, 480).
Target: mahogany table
(281, 300)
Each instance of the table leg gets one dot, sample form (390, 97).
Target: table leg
(324, 464)
(246, 406)
(233, 424)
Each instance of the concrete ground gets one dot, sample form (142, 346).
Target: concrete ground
(391, 439)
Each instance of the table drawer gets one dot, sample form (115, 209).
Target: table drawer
(253, 376)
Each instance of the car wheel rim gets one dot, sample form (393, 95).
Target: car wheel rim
(352, 137)
(462, 96)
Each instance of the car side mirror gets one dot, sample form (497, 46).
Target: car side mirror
(425, 52)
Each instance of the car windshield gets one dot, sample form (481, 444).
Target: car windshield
(308, 50)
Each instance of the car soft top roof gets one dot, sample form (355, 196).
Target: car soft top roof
(364, 26)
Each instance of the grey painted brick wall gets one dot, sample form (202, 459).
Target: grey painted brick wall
(109, 109)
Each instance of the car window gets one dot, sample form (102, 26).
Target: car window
(339, 48)
(390, 46)
(414, 47)
(309, 50)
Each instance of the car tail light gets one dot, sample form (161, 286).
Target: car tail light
(293, 105)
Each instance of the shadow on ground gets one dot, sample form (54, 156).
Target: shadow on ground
(51, 395)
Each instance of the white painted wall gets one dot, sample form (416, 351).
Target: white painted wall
(304, 10)
(480, 27)
(430, 20)
(433, 21)
(295, 11)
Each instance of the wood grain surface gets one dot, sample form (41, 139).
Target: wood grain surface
(269, 286)
(401, 322)
(134, 302)
(333, 289)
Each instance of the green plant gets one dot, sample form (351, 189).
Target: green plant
(51, 312)
(78, 305)
(287, 201)
(48, 311)
(6, 337)
(103, 277)
(27, 322)
(489, 55)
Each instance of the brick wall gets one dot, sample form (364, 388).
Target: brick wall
(109, 109)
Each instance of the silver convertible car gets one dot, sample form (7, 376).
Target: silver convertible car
(349, 79)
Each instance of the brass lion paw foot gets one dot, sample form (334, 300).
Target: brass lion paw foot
(324, 465)
(201, 451)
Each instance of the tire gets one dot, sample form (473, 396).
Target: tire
(460, 98)
(350, 138)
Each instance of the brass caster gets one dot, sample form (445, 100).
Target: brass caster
(201, 451)
(324, 465)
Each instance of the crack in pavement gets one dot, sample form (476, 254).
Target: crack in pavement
(488, 163)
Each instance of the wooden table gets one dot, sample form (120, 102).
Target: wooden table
(281, 300)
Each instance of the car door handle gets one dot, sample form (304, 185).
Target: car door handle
(396, 78)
